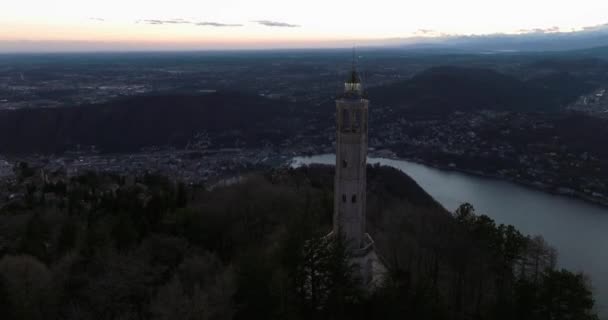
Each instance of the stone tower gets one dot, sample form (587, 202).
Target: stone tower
(350, 182)
(351, 162)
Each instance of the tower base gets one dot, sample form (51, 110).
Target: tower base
(371, 269)
(367, 265)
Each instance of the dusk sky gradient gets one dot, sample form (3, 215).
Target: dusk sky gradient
(183, 24)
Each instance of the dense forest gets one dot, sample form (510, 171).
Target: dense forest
(103, 246)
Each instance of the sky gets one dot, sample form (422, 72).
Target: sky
(224, 24)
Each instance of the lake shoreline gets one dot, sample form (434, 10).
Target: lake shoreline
(545, 188)
(553, 190)
(573, 225)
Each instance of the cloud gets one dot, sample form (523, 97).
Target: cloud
(183, 21)
(596, 28)
(217, 24)
(160, 22)
(97, 19)
(426, 32)
(539, 30)
(269, 23)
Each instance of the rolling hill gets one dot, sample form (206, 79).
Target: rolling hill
(131, 123)
(446, 89)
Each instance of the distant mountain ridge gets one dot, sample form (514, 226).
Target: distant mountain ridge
(447, 88)
(535, 40)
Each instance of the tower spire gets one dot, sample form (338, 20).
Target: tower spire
(354, 68)
(353, 83)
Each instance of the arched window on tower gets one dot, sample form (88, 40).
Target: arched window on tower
(356, 120)
(345, 120)
(344, 163)
(354, 198)
(344, 198)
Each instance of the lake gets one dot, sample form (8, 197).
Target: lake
(577, 229)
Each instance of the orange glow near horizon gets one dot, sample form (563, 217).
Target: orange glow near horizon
(235, 23)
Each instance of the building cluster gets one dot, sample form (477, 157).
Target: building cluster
(188, 166)
(513, 146)
(521, 147)
(595, 103)
(301, 78)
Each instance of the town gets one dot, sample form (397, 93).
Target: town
(541, 149)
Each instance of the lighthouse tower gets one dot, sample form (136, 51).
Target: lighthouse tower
(350, 181)
(351, 162)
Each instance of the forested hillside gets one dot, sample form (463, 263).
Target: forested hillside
(446, 89)
(128, 124)
(111, 247)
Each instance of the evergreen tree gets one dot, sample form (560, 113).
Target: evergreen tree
(564, 295)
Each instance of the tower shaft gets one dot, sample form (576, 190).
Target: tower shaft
(351, 164)
(351, 183)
